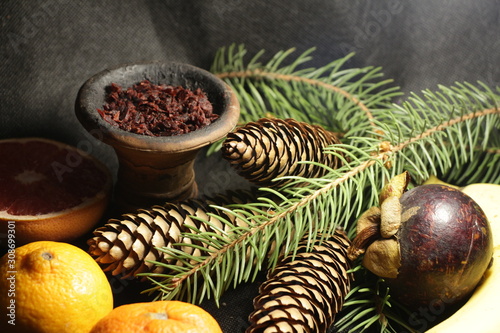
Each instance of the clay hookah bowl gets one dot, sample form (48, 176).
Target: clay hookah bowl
(154, 170)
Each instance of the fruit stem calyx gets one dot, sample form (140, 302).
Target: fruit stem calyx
(380, 222)
(362, 240)
(47, 256)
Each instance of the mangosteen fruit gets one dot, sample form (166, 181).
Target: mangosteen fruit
(432, 244)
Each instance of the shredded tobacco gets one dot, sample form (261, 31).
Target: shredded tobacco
(157, 110)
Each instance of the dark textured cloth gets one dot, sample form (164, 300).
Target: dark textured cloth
(49, 48)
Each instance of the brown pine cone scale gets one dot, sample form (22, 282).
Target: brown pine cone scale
(271, 148)
(305, 293)
(128, 245)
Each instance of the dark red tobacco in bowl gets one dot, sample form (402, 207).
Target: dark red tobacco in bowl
(157, 109)
(446, 246)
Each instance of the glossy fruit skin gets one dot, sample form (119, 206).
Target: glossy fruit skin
(52, 287)
(158, 317)
(446, 246)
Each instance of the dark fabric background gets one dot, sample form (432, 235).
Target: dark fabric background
(48, 48)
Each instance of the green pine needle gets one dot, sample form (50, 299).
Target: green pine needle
(453, 133)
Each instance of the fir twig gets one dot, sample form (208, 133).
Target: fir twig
(445, 132)
(314, 95)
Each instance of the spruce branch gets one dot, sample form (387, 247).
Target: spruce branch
(298, 214)
(314, 95)
(452, 132)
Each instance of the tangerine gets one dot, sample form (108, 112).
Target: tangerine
(158, 317)
(52, 287)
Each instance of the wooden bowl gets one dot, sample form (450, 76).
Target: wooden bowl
(154, 170)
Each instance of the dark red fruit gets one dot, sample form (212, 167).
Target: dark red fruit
(446, 246)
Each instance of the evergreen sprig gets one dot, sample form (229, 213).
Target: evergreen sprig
(453, 132)
(287, 88)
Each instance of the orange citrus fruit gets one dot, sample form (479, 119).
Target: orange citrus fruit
(50, 190)
(52, 287)
(158, 317)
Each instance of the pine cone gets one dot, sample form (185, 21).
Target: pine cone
(270, 148)
(304, 294)
(124, 246)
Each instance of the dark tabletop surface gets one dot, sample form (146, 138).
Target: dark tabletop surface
(48, 48)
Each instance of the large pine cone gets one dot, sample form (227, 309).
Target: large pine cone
(124, 246)
(270, 148)
(305, 293)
